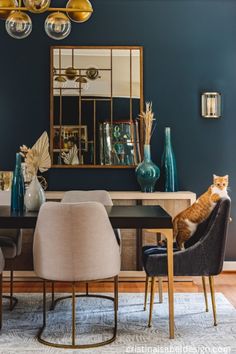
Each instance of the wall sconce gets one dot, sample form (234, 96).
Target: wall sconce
(211, 105)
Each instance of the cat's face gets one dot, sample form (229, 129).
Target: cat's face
(221, 182)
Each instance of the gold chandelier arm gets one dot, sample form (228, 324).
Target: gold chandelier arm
(64, 9)
(50, 9)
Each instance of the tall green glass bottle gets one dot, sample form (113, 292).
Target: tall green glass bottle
(168, 164)
(18, 188)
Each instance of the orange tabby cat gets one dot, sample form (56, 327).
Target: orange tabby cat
(186, 222)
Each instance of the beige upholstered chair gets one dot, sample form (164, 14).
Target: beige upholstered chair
(11, 244)
(100, 196)
(75, 242)
(2, 264)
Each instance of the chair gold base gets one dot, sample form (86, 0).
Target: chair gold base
(73, 297)
(212, 288)
(160, 289)
(205, 292)
(152, 294)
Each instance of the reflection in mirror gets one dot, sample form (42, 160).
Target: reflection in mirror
(96, 98)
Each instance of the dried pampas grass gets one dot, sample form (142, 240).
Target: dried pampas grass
(147, 118)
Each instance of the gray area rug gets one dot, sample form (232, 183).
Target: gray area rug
(194, 330)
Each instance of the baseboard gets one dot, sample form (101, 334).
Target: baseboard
(229, 266)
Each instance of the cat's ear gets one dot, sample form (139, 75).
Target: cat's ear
(214, 177)
(226, 177)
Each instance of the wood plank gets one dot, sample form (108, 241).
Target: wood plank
(224, 283)
(135, 195)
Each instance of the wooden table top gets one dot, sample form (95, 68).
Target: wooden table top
(127, 217)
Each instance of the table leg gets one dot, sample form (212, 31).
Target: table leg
(169, 236)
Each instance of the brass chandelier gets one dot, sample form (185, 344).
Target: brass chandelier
(58, 23)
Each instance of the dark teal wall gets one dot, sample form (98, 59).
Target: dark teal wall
(189, 46)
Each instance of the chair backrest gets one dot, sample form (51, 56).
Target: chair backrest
(211, 237)
(75, 242)
(100, 196)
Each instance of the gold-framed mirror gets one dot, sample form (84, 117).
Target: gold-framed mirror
(96, 96)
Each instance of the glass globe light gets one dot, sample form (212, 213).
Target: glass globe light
(79, 16)
(18, 25)
(57, 25)
(37, 6)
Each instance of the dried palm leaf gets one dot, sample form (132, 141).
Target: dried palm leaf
(41, 152)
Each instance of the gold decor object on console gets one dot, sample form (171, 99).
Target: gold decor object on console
(76, 16)
(211, 105)
(57, 25)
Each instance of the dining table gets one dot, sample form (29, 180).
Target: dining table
(152, 218)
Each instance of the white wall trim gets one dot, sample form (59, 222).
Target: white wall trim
(229, 266)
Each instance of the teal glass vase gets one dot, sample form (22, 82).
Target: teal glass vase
(18, 188)
(147, 172)
(168, 165)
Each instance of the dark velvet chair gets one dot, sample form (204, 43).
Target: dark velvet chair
(11, 245)
(2, 264)
(203, 255)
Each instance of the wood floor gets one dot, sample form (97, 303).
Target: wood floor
(224, 283)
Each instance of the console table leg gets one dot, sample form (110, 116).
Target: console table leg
(139, 244)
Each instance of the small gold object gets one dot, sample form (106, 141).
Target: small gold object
(82, 80)
(60, 79)
(37, 6)
(76, 16)
(5, 13)
(92, 73)
(71, 73)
